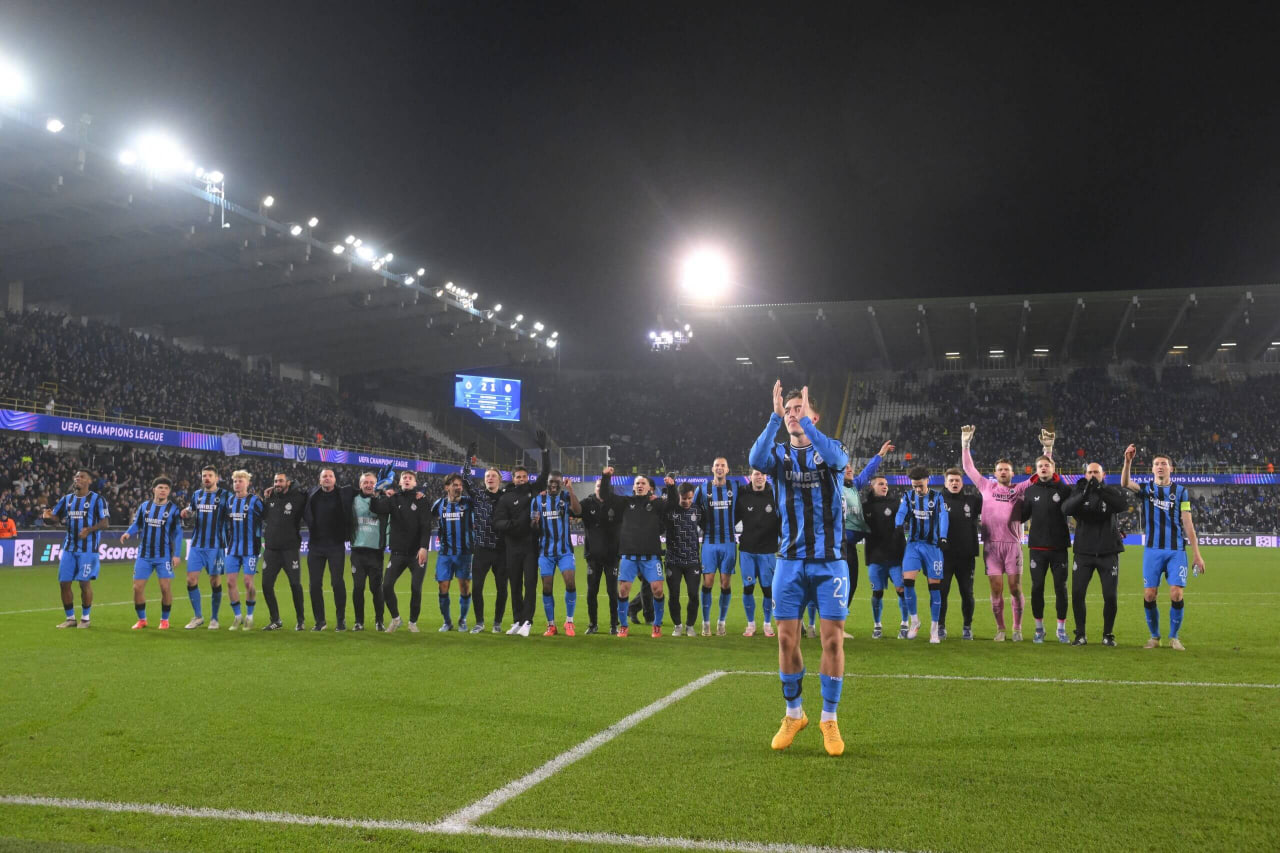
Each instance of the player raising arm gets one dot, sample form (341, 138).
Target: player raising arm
(806, 472)
(550, 513)
(1166, 512)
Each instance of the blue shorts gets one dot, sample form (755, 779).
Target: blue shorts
(233, 564)
(199, 559)
(758, 566)
(142, 569)
(646, 567)
(718, 558)
(923, 557)
(457, 566)
(547, 565)
(798, 583)
(78, 566)
(879, 573)
(1157, 562)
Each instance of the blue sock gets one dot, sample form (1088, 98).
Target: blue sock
(659, 610)
(84, 612)
(902, 604)
(193, 593)
(767, 594)
(706, 605)
(935, 602)
(725, 597)
(1153, 618)
(248, 606)
(813, 613)
(831, 688)
(164, 611)
(792, 686)
(464, 606)
(235, 608)
(1175, 618)
(749, 604)
(140, 609)
(549, 608)
(910, 598)
(444, 608)
(624, 614)
(216, 601)
(570, 603)
(877, 605)
(70, 611)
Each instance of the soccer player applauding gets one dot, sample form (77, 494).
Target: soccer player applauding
(807, 471)
(158, 526)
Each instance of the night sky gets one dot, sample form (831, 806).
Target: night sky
(560, 157)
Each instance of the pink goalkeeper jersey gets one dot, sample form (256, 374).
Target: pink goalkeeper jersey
(1001, 519)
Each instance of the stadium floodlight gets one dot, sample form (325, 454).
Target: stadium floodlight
(512, 326)
(409, 279)
(497, 308)
(339, 249)
(519, 318)
(313, 222)
(351, 238)
(128, 158)
(269, 201)
(996, 353)
(782, 357)
(555, 335)
(422, 271)
(537, 327)
(364, 253)
(216, 177)
(439, 292)
(54, 125)
(743, 358)
(551, 344)
(687, 328)
(358, 243)
(160, 154)
(13, 82)
(1180, 347)
(706, 274)
(198, 171)
(1275, 343)
(653, 336)
(377, 265)
(389, 257)
(1227, 344)
(295, 230)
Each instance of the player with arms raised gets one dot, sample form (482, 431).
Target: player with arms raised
(85, 515)
(807, 473)
(1166, 512)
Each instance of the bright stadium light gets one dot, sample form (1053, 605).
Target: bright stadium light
(519, 318)
(295, 230)
(409, 279)
(377, 265)
(313, 222)
(706, 274)
(1180, 347)
(216, 177)
(351, 238)
(358, 243)
(13, 83)
(339, 249)
(160, 154)
(653, 336)
(389, 257)
(537, 327)
(269, 201)
(128, 158)
(422, 271)
(1228, 343)
(54, 125)
(497, 308)
(555, 335)
(551, 344)
(512, 326)
(439, 292)
(364, 253)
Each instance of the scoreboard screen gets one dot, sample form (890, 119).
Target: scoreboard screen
(490, 397)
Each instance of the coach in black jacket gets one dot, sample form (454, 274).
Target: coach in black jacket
(1096, 508)
(282, 506)
(328, 518)
(1048, 541)
(511, 522)
(963, 512)
(600, 523)
(409, 513)
(885, 545)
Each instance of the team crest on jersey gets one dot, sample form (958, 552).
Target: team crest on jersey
(968, 511)
(288, 507)
(413, 507)
(648, 507)
(1056, 497)
(888, 511)
(817, 458)
(768, 507)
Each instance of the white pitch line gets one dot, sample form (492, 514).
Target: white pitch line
(95, 605)
(1035, 680)
(440, 828)
(470, 814)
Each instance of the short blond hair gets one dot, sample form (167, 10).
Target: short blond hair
(235, 475)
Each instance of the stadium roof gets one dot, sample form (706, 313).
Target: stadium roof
(1195, 325)
(88, 235)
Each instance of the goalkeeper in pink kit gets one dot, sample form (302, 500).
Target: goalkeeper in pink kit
(1001, 526)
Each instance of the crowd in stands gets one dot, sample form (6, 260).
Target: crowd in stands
(1253, 509)
(109, 372)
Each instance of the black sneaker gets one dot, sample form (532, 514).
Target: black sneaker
(274, 626)
(301, 626)
(319, 626)
(380, 628)
(1079, 641)
(1109, 640)
(359, 626)
(613, 630)
(592, 629)
(342, 625)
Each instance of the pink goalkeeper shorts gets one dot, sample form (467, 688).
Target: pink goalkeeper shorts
(1003, 558)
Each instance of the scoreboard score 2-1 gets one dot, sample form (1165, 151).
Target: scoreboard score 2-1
(491, 397)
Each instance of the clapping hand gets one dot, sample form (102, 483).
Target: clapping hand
(777, 399)
(966, 434)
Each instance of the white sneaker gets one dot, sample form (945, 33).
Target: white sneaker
(913, 629)
(478, 629)
(689, 632)
(810, 631)
(706, 629)
(677, 631)
(768, 629)
(934, 636)
(999, 637)
(248, 622)
(1176, 645)
(236, 623)
(196, 622)
(393, 625)
(720, 632)
(524, 629)
(497, 628)
(213, 624)
(514, 629)
(1017, 636)
(751, 630)
(413, 627)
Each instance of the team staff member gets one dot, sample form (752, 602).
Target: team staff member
(758, 547)
(328, 519)
(282, 506)
(490, 553)
(855, 526)
(410, 516)
(1096, 507)
(885, 547)
(639, 541)
(511, 520)
(600, 523)
(961, 557)
(684, 524)
(368, 536)
(1049, 540)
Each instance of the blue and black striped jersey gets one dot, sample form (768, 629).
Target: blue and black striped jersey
(159, 530)
(210, 513)
(243, 528)
(553, 512)
(806, 485)
(1162, 508)
(925, 517)
(719, 504)
(456, 525)
(78, 513)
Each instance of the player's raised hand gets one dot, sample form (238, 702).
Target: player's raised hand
(608, 471)
(1046, 437)
(777, 399)
(804, 402)
(886, 449)
(1129, 453)
(541, 436)
(669, 480)
(966, 434)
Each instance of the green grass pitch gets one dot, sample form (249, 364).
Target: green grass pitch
(414, 727)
